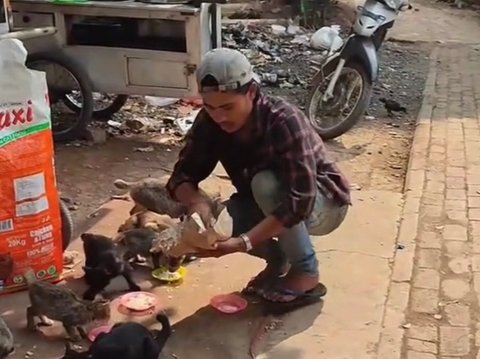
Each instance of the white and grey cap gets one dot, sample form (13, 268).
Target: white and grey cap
(229, 67)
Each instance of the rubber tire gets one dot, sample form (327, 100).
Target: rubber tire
(357, 112)
(104, 114)
(58, 57)
(67, 225)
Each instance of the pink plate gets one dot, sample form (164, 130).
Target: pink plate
(138, 301)
(99, 330)
(228, 303)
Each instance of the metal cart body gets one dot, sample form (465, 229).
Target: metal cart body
(157, 57)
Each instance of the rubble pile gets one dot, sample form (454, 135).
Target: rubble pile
(280, 54)
(282, 58)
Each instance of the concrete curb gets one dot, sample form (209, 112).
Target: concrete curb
(391, 339)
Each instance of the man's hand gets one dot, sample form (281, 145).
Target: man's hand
(204, 211)
(231, 245)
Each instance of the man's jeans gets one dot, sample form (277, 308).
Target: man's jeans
(294, 244)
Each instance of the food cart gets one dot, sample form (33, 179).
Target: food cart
(128, 47)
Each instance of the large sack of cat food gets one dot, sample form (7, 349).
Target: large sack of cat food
(30, 222)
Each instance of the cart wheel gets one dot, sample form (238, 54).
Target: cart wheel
(57, 87)
(103, 109)
(67, 225)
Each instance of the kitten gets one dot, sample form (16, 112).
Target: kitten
(151, 194)
(49, 301)
(138, 242)
(126, 341)
(103, 262)
(142, 343)
(148, 219)
(6, 340)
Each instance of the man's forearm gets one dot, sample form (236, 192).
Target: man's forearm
(187, 194)
(269, 227)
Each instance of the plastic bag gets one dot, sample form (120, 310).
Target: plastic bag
(30, 222)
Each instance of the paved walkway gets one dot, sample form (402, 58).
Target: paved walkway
(434, 21)
(433, 305)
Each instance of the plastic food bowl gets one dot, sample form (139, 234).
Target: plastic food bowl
(146, 301)
(95, 332)
(171, 277)
(229, 303)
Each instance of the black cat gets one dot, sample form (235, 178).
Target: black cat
(126, 341)
(103, 262)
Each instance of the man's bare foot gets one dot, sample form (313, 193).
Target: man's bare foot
(290, 287)
(269, 274)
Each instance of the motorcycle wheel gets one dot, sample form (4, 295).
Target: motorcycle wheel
(324, 116)
(67, 225)
(37, 61)
(104, 112)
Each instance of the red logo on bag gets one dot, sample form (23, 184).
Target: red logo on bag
(17, 116)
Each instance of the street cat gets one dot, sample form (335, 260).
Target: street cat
(49, 301)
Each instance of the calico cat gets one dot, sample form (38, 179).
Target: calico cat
(49, 301)
(6, 340)
(126, 341)
(103, 262)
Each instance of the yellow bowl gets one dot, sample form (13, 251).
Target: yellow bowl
(171, 277)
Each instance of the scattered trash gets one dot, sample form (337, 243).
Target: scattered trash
(161, 101)
(145, 149)
(143, 124)
(279, 30)
(327, 38)
(437, 316)
(185, 123)
(114, 124)
(71, 259)
(271, 49)
(294, 29)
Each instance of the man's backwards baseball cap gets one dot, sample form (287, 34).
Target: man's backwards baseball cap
(229, 67)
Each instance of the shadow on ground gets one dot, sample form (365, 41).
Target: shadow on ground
(219, 335)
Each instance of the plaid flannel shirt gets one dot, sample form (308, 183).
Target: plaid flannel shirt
(283, 140)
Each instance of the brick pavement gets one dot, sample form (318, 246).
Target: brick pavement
(433, 304)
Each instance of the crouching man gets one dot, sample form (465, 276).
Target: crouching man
(287, 188)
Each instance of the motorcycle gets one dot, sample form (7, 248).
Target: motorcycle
(349, 68)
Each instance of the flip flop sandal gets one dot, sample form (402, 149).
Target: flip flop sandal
(251, 289)
(313, 296)
(253, 285)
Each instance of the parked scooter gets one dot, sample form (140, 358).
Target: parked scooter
(341, 89)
